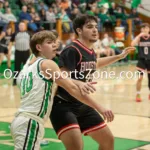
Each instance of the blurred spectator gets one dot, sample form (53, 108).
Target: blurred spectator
(97, 46)
(90, 3)
(56, 7)
(26, 17)
(135, 16)
(51, 18)
(105, 20)
(49, 2)
(71, 39)
(121, 14)
(6, 39)
(112, 9)
(44, 22)
(22, 48)
(75, 12)
(66, 22)
(10, 16)
(50, 15)
(135, 3)
(42, 6)
(6, 18)
(82, 6)
(64, 4)
(6, 5)
(55, 10)
(35, 16)
(75, 3)
(106, 46)
(26, 2)
(42, 14)
(2, 10)
(92, 11)
(102, 3)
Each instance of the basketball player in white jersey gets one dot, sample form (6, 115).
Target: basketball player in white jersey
(37, 93)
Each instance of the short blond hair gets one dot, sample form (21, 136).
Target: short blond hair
(39, 38)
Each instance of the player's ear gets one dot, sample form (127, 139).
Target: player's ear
(38, 47)
(79, 31)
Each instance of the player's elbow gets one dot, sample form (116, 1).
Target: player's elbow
(73, 88)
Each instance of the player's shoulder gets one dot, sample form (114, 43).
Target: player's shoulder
(47, 63)
(71, 46)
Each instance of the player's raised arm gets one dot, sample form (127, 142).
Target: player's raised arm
(101, 62)
(136, 40)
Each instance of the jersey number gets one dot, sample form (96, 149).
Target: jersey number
(26, 84)
(146, 50)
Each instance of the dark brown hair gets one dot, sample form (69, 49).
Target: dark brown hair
(81, 20)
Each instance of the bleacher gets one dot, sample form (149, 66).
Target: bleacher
(16, 9)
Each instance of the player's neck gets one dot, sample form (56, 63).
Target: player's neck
(41, 56)
(86, 43)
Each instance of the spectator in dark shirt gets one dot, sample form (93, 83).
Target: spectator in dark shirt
(135, 16)
(26, 17)
(6, 39)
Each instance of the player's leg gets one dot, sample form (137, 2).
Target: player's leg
(141, 67)
(8, 56)
(139, 86)
(72, 139)
(148, 75)
(1, 58)
(66, 125)
(1, 54)
(149, 84)
(92, 124)
(26, 133)
(104, 138)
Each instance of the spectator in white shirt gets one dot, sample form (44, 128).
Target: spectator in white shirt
(9, 15)
(50, 15)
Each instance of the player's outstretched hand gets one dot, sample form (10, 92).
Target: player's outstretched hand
(86, 87)
(107, 114)
(126, 51)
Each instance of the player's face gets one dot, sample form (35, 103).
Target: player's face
(146, 30)
(90, 31)
(49, 48)
(57, 42)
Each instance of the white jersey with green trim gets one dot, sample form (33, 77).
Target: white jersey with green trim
(36, 91)
(24, 69)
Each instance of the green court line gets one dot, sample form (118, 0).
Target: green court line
(89, 144)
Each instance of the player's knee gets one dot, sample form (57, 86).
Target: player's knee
(74, 146)
(109, 142)
(111, 139)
